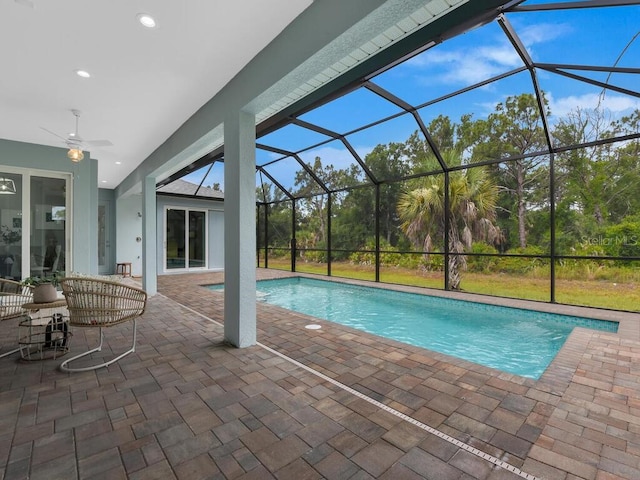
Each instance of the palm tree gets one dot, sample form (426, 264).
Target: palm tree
(472, 204)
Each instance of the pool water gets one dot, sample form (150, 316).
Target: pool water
(522, 342)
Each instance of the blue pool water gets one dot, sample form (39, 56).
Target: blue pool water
(518, 341)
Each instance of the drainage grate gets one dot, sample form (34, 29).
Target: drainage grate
(437, 433)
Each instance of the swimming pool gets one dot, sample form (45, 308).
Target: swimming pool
(523, 342)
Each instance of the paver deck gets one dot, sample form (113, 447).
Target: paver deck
(331, 403)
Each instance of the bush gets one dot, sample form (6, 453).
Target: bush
(390, 257)
(622, 240)
(317, 256)
(521, 265)
(433, 263)
(482, 264)
(362, 258)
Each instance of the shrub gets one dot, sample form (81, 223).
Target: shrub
(317, 256)
(481, 263)
(390, 257)
(521, 265)
(433, 262)
(622, 240)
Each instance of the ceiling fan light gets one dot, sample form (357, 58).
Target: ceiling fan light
(7, 186)
(146, 20)
(75, 155)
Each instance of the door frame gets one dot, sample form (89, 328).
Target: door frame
(28, 220)
(109, 260)
(186, 229)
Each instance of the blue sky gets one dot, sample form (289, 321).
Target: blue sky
(596, 37)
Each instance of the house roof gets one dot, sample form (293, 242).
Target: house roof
(183, 187)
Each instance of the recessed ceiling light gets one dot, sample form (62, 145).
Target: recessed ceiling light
(83, 73)
(146, 20)
(104, 181)
(118, 163)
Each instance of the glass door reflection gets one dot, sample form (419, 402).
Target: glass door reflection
(175, 243)
(197, 239)
(11, 226)
(48, 221)
(185, 239)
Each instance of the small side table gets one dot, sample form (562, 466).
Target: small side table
(45, 333)
(124, 269)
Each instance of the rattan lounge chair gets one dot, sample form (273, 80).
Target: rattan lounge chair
(12, 296)
(97, 303)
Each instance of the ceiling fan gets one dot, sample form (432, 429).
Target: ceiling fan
(75, 142)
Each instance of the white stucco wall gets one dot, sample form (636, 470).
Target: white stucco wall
(84, 189)
(215, 224)
(128, 228)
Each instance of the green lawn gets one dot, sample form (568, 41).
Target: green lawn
(620, 295)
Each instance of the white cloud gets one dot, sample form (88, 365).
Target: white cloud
(542, 33)
(616, 104)
(465, 66)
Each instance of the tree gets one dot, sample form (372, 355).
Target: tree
(472, 206)
(313, 198)
(355, 218)
(513, 130)
(388, 162)
(599, 183)
(313, 202)
(277, 208)
(626, 157)
(582, 173)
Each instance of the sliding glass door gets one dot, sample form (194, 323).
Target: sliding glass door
(197, 239)
(34, 223)
(185, 239)
(48, 216)
(106, 261)
(11, 192)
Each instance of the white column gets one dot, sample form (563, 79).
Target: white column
(240, 229)
(149, 246)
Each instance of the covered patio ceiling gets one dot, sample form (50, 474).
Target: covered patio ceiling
(144, 82)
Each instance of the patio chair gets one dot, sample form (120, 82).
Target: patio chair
(12, 296)
(97, 303)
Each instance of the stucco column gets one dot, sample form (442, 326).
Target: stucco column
(149, 249)
(240, 229)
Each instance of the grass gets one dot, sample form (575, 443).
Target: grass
(616, 295)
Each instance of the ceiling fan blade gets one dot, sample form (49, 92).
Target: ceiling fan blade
(98, 143)
(55, 134)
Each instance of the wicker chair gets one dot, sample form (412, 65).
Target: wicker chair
(12, 296)
(99, 304)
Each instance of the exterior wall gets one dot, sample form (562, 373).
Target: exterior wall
(128, 230)
(216, 239)
(84, 206)
(108, 197)
(215, 223)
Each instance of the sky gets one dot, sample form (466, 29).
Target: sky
(592, 37)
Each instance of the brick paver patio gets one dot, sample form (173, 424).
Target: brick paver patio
(332, 403)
